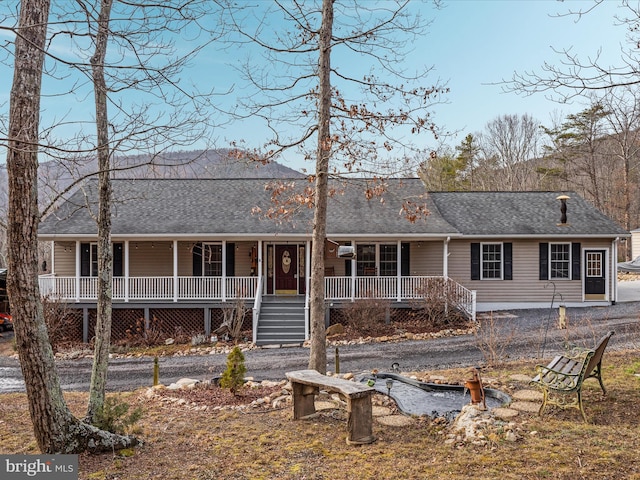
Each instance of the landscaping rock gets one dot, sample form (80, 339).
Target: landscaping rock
(184, 383)
(337, 329)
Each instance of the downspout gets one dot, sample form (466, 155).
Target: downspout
(445, 273)
(445, 258)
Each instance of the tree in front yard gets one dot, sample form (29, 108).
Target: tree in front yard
(233, 376)
(55, 428)
(337, 88)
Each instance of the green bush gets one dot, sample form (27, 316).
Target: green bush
(233, 376)
(115, 416)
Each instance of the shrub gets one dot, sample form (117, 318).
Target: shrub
(233, 319)
(493, 339)
(115, 416)
(440, 303)
(233, 376)
(366, 315)
(64, 326)
(140, 336)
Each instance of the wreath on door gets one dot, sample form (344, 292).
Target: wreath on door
(286, 261)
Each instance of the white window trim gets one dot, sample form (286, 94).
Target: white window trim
(549, 269)
(221, 244)
(377, 255)
(482, 245)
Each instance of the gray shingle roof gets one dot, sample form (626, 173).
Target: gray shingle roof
(210, 207)
(522, 213)
(224, 207)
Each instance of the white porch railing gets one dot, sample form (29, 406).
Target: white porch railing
(151, 288)
(408, 288)
(214, 288)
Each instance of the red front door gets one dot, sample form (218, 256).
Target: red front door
(286, 268)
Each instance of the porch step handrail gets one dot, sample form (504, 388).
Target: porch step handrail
(257, 303)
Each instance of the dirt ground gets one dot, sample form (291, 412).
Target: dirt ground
(185, 440)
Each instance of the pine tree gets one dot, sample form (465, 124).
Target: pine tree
(233, 376)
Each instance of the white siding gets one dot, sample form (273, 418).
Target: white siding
(65, 259)
(635, 244)
(150, 259)
(426, 258)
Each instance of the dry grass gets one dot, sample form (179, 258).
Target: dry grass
(185, 443)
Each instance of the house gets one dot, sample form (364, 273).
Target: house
(187, 249)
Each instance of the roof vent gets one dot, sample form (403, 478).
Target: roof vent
(563, 209)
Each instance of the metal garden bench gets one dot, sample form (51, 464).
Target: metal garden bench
(565, 375)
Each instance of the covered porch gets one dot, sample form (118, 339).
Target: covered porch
(228, 269)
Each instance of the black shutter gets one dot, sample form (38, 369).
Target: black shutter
(575, 261)
(117, 259)
(231, 259)
(85, 259)
(475, 261)
(544, 261)
(197, 260)
(405, 263)
(507, 251)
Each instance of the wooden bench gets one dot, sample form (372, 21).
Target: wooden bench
(306, 385)
(565, 375)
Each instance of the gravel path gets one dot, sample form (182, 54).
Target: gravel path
(525, 334)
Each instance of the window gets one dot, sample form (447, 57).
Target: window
(93, 260)
(212, 259)
(366, 259)
(388, 260)
(89, 259)
(491, 260)
(384, 263)
(560, 260)
(594, 265)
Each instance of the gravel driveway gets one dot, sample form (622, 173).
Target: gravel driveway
(529, 334)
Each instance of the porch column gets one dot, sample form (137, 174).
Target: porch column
(127, 244)
(399, 271)
(353, 274)
(53, 258)
(307, 280)
(260, 264)
(224, 271)
(78, 271)
(175, 270)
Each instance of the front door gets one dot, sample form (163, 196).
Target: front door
(286, 269)
(595, 277)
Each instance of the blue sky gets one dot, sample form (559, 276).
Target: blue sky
(477, 44)
(472, 45)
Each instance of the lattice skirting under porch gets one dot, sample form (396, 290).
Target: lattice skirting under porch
(126, 323)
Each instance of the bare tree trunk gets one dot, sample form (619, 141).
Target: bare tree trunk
(318, 353)
(56, 430)
(105, 255)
